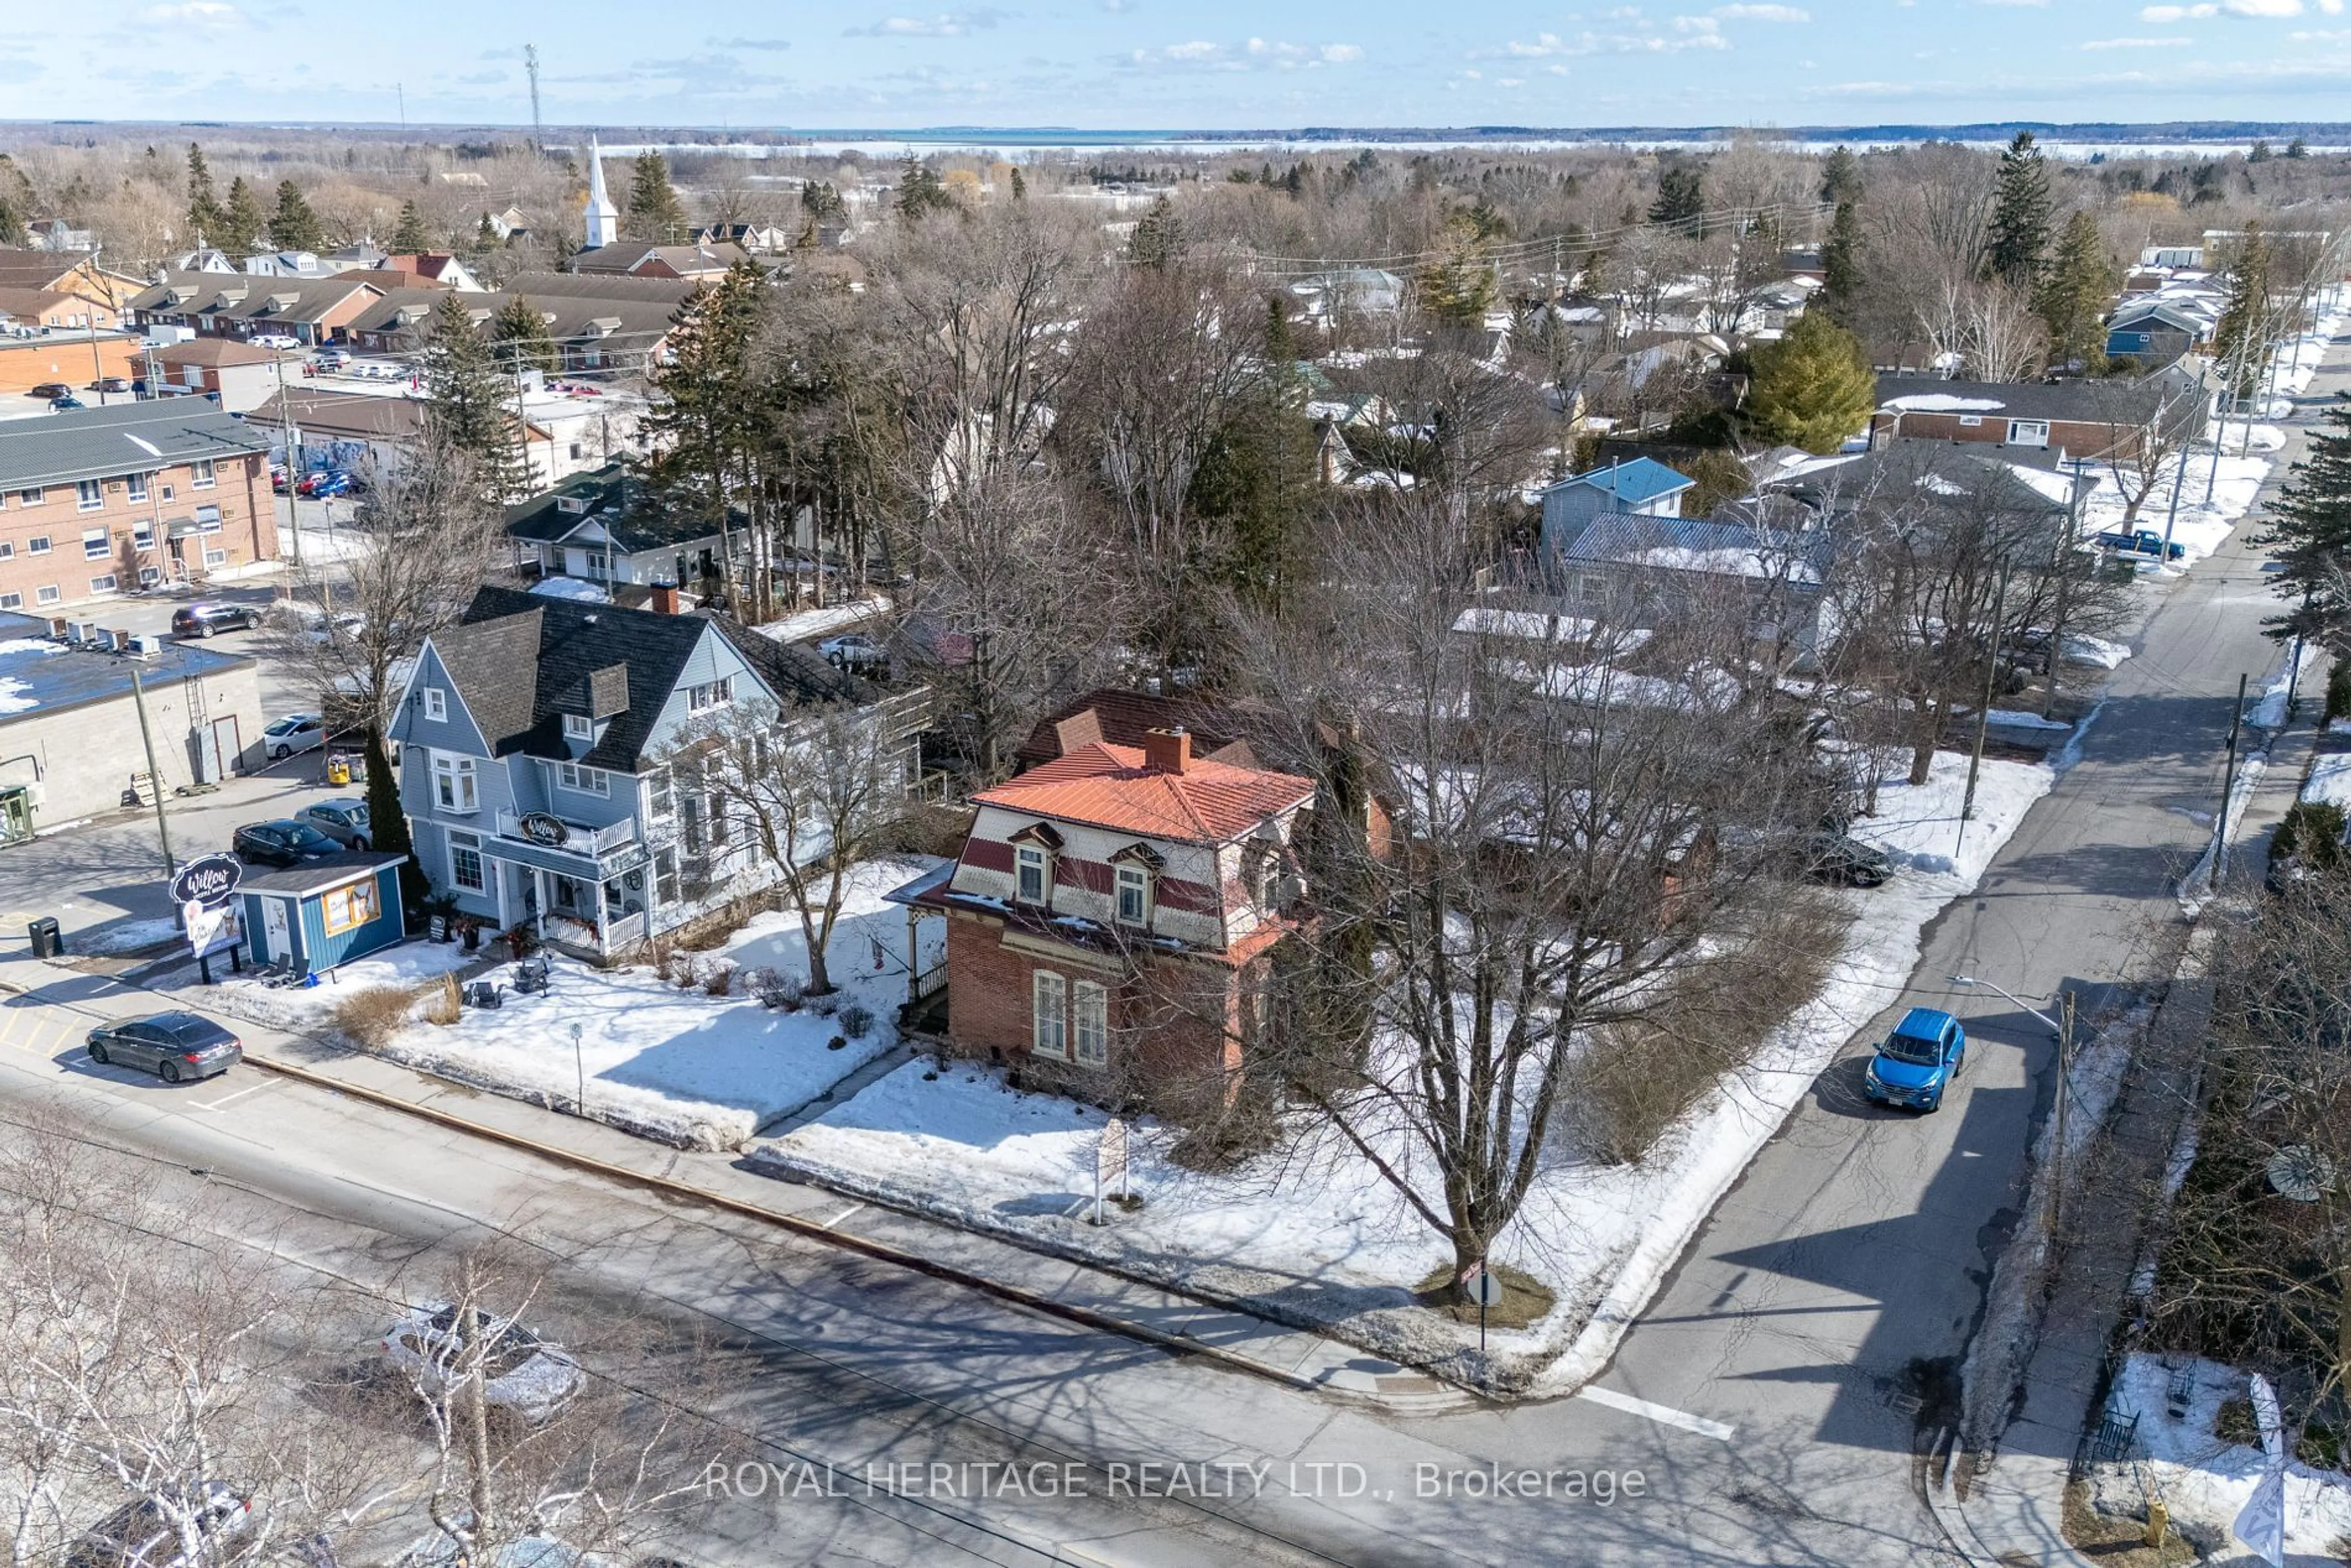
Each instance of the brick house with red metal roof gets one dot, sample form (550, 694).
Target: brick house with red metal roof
(1112, 916)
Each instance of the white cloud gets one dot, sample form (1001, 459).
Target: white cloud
(945, 25)
(1341, 54)
(1687, 33)
(2174, 42)
(212, 16)
(1203, 54)
(2261, 8)
(1746, 13)
(2176, 13)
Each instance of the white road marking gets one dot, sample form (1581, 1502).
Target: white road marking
(248, 1088)
(1664, 1414)
(845, 1213)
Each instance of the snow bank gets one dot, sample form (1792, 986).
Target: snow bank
(1323, 1242)
(822, 622)
(2203, 1480)
(2330, 779)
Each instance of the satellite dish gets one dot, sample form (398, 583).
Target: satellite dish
(2301, 1174)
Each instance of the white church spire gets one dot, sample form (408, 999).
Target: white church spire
(604, 217)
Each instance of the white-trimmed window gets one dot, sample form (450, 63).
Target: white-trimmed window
(95, 545)
(208, 519)
(579, 727)
(142, 536)
(2028, 433)
(215, 558)
(581, 780)
(452, 783)
(710, 694)
(200, 474)
(149, 576)
(90, 495)
(665, 884)
(1134, 896)
(31, 496)
(136, 486)
(12, 601)
(1970, 421)
(436, 704)
(1032, 873)
(465, 868)
(38, 545)
(8, 550)
(664, 793)
(170, 491)
(1050, 1015)
(1089, 1024)
(102, 584)
(46, 594)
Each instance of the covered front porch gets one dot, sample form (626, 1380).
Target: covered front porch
(593, 900)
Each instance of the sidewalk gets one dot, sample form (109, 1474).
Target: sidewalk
(1095, 1298)
(2008, 1506)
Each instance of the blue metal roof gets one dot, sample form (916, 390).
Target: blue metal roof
(1642, 479)
(38, 675)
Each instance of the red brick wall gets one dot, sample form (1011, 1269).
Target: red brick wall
(240, 488)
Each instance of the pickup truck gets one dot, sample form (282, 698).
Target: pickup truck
(2145, 542)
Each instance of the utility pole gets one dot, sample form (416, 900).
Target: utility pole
(2228, 787)
(2179, 475)
(293, 500)
(1984, 709)
(2064, 1097)
(530, 64)
(155, 774)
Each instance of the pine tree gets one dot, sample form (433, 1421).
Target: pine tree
(2241, 337)
(2297, 147)
(410, 236)
(1841, 177)
(2260, 151)
(708, 406)
(2074, 294)
(653, 211)
(1813, 387)
(465, 399)
(518, 335)
(921, 191)
(1457, 285)
(2310, 539)
(205, 219)
(1841, 265)
(1681, 197)
(1256, 482)
(1019, 187)
(1158, 237)
(2019, 233)
(294, 226)
(15, 201)
(243, 223)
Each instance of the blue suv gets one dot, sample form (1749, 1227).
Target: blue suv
(1918, 1061)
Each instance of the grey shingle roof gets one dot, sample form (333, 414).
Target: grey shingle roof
(619, 502)
(95, 443)
(573, 642)
(2100, 402)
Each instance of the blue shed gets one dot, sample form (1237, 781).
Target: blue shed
(323, 912)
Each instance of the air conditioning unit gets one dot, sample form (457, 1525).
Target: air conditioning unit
(143, 646)
(81, 632)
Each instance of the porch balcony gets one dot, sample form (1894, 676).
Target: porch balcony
(580, 839)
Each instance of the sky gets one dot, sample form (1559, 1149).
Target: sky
(1177, 64)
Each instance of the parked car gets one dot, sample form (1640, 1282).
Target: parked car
(172, 1046)
(331, 358)
(1917, 1062)
(1835, 857)
(295, 732)
(326, 483)
(275, 340)
(345, 821)
(52, 389)
(854, 651)
(205, 618)
(521, 1372)
(65, 405)
(2143, 542)
(110, 384)
(282, 843)
(145, 1533)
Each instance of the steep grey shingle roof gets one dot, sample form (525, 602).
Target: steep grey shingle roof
(95, 443)
(566, 644)
(621, 505)
(2119, 403)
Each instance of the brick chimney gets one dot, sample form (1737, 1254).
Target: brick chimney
(1167, 750)
(664, 599)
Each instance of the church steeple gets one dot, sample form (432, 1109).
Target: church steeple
(604, 217)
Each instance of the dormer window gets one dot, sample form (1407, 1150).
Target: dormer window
(579, 727)
(572, 503)
(1033, 874)
(1134, 896)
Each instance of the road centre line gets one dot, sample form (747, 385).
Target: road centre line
(1664, 1414)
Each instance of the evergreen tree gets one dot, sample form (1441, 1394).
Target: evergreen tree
(205, 219)
(2241, 338)
(2297, 147)
(1841, 177)
(1841, 265)
(653, 211)
(1457, 285)
(1813, 387)
(708, 408)
(410, 236)
(822, 203)
(921, 191)
(294, 226)
(243, 224)
(16, 203)
(465, 396)
(2074, 294)
(2019, 233)
(518, 335)
(1019, 186)
(486, 237)
(1256, 482)
(2260, 151)
(2310, 539)
(1158, 237)
(1681, 197)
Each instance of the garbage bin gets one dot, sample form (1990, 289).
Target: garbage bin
(339, 771)
(48, 940)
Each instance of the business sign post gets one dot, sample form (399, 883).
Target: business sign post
(205, 891)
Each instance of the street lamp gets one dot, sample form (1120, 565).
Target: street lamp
(2011, 996)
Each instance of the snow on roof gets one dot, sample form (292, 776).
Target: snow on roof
(571, 588)
(1539, 626)
(1640, 479)
(1943, 402)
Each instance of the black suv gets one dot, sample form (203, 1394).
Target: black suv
(203, 619)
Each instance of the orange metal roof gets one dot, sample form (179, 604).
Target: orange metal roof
(1106, 785)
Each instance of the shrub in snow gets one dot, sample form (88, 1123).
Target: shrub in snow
(855, 1019)
(825, 1006)
(444, 1007)
(716, 978)
(373, 1016)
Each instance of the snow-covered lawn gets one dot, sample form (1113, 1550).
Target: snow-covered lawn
(2330, 779)
(2202, 525)
(311, 1008)
(675, 1062)
(1324, 1242)
(123, 936)
(2203, 1480)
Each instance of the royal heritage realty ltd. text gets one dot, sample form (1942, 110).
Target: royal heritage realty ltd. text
(1336, 1479)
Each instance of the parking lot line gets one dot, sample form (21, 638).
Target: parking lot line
(225, 1099)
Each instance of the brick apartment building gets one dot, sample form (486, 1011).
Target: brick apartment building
(99, 501)
(1113, 916)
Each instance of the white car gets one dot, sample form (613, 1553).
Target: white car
(855, 651)
(521, 1372)
(275, 340)
(295, 732)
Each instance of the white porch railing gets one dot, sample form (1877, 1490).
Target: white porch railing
(580, 840)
